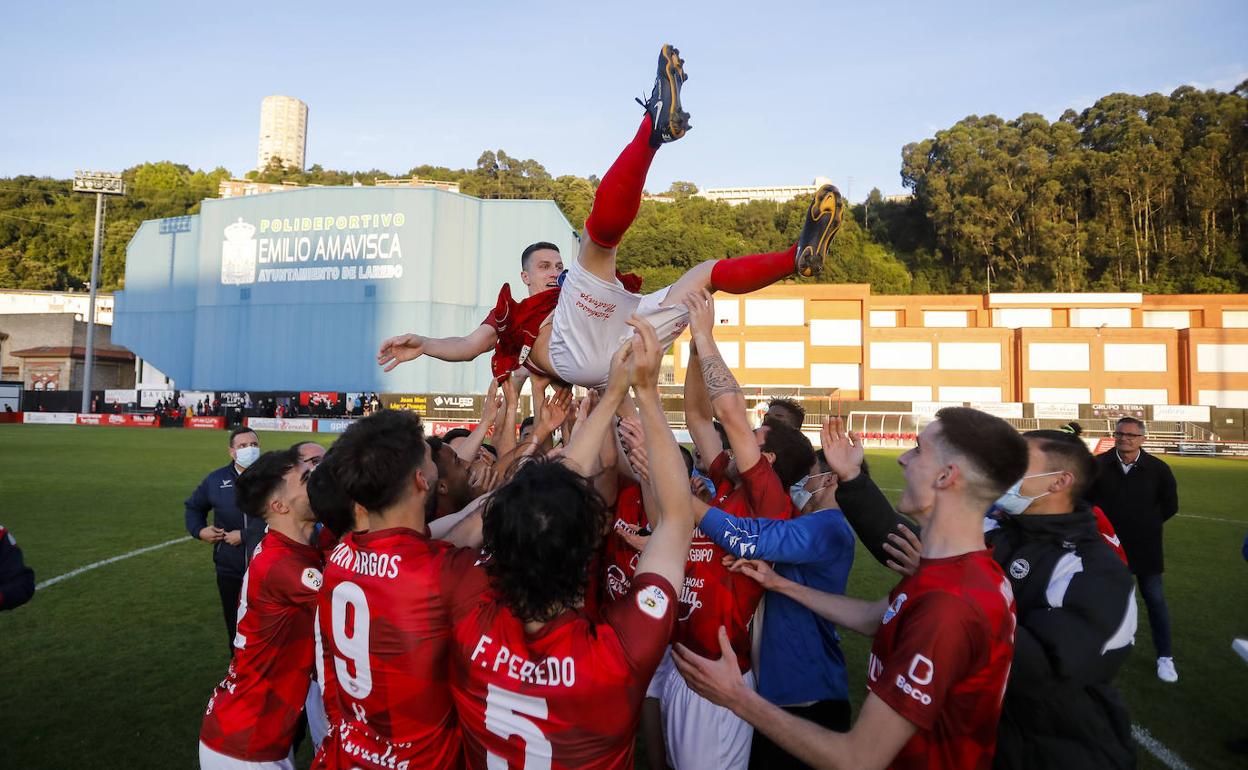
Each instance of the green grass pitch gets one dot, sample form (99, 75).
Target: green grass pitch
(112, 668)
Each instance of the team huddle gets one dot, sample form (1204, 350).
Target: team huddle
(525, 603)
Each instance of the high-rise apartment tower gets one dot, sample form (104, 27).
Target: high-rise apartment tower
(283, 131)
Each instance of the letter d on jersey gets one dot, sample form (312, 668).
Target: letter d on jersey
(921, 670)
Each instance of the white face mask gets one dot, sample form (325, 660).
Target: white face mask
(247, 455)
(800, 496)
(1014, 502)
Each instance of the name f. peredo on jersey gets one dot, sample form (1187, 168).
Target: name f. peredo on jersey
(325, 248)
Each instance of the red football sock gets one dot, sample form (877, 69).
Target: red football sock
(742, 275)
(619, 192)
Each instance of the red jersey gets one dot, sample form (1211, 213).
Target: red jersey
(517, 325)
(568, 696)
(253, 713)
(942, 657)
(1107, 532)
(619, 558)
(713, 596)
(385, 629)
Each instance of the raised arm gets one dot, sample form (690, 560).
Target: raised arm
(699, 418)
(583, 449)
(855, 614)
(505, 420)
(408, 347)
(671, 515)
(493, 403)
(865, 507)
(727, 400)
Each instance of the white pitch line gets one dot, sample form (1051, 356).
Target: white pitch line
(106, 562)
(1209, 518)
(1158, 749)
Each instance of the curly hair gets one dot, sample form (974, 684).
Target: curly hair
(541, 530)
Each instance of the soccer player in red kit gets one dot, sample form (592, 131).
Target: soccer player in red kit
(944, 637)
(537, 681)
(383, 611)
(570, 333)
(253, 714)
(752, 482)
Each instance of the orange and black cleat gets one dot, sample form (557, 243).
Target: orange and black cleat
(823, 219)
(668, 120)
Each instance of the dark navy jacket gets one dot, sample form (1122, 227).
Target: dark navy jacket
(17, 581)
(216, 493)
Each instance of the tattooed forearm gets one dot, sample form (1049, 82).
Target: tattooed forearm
(718, 377)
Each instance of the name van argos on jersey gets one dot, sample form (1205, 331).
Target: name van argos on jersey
(341, 247)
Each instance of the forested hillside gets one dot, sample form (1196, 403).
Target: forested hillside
(1134, 193)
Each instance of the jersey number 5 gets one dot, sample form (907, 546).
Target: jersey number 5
(351, 642)
(505, 713)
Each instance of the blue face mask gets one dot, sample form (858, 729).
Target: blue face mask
(246, 456)
(706, 483)
(1015, 502)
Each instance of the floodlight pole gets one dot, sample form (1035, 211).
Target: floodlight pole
(89, 361)
(100, 183)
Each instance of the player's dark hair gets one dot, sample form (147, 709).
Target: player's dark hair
(238, 432)
(491, 449)
(528, 252)
(526, 422)
(295, 447)
(794, 454)
(378, 455)
(541, 529)
(330, 503)
(1073, 428)
(1066, 452)
(256, 485)
(993, 448)
(794, 410)
(1132, 421)
(455, 433)
(688, 457)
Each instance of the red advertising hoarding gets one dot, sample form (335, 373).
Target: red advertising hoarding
(205, 423)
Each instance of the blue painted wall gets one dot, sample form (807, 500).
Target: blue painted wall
(296, 290)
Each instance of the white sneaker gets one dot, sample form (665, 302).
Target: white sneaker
(1240, 646)
(1165, 670)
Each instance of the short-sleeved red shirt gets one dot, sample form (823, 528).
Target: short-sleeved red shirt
(942, 657)
(253, 713)
(385, 627)
(566, 697)
(619, 558)
(517, 325)
(713, 596)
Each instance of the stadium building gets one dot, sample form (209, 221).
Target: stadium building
(296, 290)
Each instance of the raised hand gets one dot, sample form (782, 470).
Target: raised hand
(493, 403)
(618, 379)
(396, 350)
(554, 410)
(760, 571)
(905, 548)
(701, 313)
(647, 356)
(842, 449)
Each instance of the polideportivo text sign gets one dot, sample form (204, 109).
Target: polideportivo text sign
(341, 247)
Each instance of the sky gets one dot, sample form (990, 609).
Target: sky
(779, 92)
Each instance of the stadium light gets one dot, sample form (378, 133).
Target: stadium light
(101, 183)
